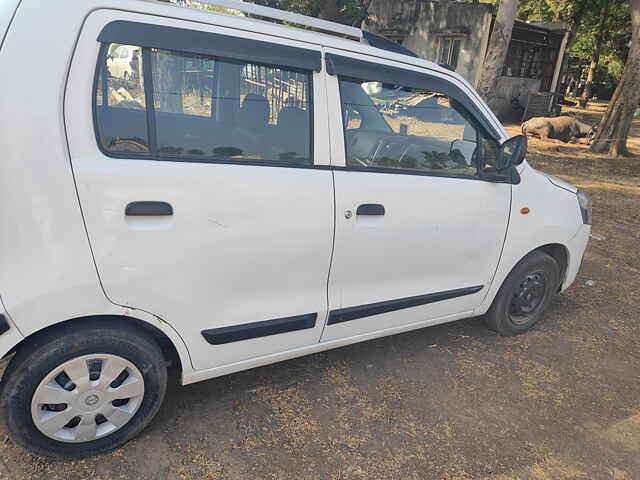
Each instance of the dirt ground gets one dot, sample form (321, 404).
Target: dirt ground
(449, 402)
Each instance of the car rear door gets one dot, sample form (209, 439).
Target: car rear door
(418, 233)
(201, 180)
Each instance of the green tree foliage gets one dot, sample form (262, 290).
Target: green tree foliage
(615, 125)
(616, 39)
(617, 31)
(545, 10)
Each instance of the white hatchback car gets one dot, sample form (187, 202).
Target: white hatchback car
(250, 193)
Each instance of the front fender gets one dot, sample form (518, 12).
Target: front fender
(542, 213)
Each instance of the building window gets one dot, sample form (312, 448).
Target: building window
(450, 51)
(523, 60)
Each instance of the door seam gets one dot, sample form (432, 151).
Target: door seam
(333, 185)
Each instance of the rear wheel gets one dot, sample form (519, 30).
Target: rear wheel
(524, 295)
(80, 393)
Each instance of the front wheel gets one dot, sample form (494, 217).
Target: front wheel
(84, 390)
(524, 295)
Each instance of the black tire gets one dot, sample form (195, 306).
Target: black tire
(512, 312)
(46, 352)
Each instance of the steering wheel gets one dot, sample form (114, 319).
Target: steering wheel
(362, 161)
(459, 158)
(392, 143)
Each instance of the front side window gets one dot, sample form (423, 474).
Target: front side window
(389, 126)
(204, 108)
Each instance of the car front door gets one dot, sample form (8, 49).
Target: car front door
(418, 233)
(200, 185)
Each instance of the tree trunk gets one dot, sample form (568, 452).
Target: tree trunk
(588, 87)
(557, 14)
(330, 10)
(497, 50)
(615, 125)
(366, 5)
(576, 18)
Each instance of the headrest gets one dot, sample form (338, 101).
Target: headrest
(255, 110)
(293, 117)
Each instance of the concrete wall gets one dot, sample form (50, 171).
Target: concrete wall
(510, 87)
(422, 24)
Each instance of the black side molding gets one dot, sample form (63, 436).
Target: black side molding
(362, 311)
(148, 209)
(381, 42)
(235, 333)
(4, 324)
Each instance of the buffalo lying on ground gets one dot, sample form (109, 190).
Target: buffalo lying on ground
(561, 128)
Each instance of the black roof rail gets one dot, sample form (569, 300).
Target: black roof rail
(384, 44)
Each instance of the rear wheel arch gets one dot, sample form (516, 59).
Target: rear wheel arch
(26, 403)
(167, 346)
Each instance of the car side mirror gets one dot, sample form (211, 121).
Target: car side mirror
(512, 152)
(509, 154)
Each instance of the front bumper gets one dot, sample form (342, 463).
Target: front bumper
(576, 246)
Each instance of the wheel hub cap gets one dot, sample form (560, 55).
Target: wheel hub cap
(528, 297)
(90, 401)
(87, 398)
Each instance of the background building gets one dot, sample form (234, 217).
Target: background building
(457, 34)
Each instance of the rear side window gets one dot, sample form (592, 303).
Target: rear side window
(390, 126)
(120, 101)
(202, 108)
